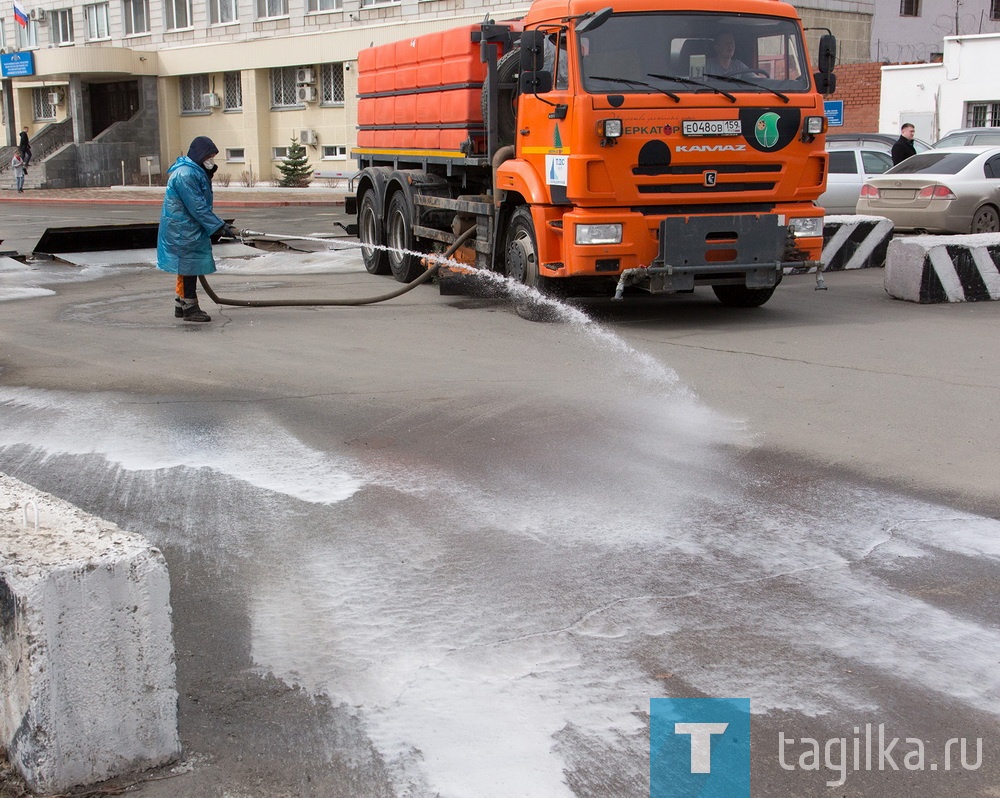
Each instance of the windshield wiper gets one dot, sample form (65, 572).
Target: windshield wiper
(690, 82)
(782, 97)
(628, 82)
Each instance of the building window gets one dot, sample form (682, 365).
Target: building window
(283, 94)
(192, 88)
(43, 109)
(330, 5)
(332, 80)
(178, 14)
(279, 153)
(334, 153)
(909, 8)
(98, 26)
(233, 88)
(62, 26)
(135, 16)
(27, 37)
(995, 9)
(236, 154)
(222, 12)
(366, 3)
(982, 114)
(272, 8)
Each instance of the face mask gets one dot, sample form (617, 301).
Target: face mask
(209, 164)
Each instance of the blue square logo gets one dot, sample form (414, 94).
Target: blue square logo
(699, 748)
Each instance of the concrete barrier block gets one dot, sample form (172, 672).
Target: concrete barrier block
(852, 242)
(930, 269)
(86, 648)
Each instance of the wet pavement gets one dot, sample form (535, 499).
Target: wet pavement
(427, 548)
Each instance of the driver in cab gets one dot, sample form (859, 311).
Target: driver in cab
(723, 61)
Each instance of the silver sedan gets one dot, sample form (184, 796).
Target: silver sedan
(953, 190)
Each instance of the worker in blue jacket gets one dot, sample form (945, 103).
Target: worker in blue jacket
(187, 224)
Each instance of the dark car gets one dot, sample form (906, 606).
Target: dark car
(970, 136)
(881, 141)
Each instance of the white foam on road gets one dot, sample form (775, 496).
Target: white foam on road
(32, 280)
(152, 436)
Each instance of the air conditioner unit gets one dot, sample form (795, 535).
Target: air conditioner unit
(38, 14)
(210, 100)
(308, 137)
(307, 94)
(55, 98)
(304, 75)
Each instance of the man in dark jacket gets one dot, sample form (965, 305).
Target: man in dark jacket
(187, 224)
(24, 147)
(904, 148)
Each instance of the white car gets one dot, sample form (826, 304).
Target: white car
(850, 167)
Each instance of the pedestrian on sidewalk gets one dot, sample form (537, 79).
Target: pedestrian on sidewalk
(24, 147)
(187, 224)
(904, 147)
(17, 164)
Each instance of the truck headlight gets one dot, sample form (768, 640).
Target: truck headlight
(815, 125)
(609, 128)
(598, 234)
(806, 226)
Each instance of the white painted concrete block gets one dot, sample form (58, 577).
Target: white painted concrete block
(930, 269)
(86, 647)
(852, 242)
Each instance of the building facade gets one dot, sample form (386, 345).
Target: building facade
(120, 87)
(960, 91)
(907, 31)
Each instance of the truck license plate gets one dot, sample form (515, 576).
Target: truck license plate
(712, 127)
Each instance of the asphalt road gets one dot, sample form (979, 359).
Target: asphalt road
(428, 548)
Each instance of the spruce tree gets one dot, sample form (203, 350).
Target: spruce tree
(296, 172)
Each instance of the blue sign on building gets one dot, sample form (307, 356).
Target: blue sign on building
(834, 112)
(18, 65)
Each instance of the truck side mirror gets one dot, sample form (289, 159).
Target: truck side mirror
(535, 79)
(535, 82)
(826, 82)
(532, 50)
(826, 60)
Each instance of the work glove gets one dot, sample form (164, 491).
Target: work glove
(228, 231)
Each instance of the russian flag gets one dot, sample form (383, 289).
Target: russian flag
(20, 15)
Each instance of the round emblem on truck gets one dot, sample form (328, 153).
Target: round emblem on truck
(766, 129)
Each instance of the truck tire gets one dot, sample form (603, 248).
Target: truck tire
(405, 267)
(370, 233)
(739, 296)
(521, 250)
(508, 68)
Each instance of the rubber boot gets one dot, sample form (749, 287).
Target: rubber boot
(178, 308)
(191, 312)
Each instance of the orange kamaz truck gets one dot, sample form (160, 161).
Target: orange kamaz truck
(661, 144)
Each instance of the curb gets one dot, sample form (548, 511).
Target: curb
(159, 202)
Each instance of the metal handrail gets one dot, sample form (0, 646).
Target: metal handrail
(49, 139)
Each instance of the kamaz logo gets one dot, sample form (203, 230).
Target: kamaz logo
(710, 147)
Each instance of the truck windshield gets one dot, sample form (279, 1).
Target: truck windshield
(693, 53)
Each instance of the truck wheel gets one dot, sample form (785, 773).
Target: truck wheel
(508, 68)
(404, 266)
(739, 296)
(370, 233)
(521, 253)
